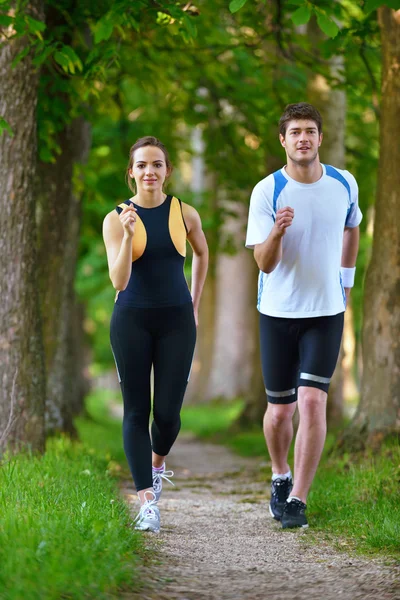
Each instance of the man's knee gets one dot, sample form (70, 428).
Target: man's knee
(311, 401)
(279, 414)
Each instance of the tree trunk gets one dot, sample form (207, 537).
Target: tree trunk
(255, 398)
(378, 414)
(233, 346)
(22, 379)
(202, 184)
(332, 105)
(59, 224)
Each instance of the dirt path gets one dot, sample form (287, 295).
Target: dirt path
(218, 541)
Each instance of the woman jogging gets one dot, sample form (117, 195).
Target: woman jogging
(155, 315)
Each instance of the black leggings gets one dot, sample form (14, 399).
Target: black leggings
(141, 338)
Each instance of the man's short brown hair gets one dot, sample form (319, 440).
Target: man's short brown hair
(295, 112)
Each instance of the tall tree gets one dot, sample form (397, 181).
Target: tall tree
(22, 382)
(59, 228)
(331, 102)
(232, 356)
(378, 413)
(59, 214)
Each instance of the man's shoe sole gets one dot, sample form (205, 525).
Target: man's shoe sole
(295, 526)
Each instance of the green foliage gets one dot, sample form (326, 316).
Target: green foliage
(236, 5)
(100, 432)
(244, 77)
(64, 529)
(327, 25)
(215, 417)
(302, 15)
(4, 126)
(371, 5)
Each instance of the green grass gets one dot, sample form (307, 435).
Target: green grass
(98, 430)
(353, 500)
(359, 499)
(65, 532)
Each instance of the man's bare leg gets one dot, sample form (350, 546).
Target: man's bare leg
(278, 432)
(310, 439)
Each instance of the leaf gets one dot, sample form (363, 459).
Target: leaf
(371, 5)
(175, 12)
(34, 26)
(327, 25)
(73, 57)
(4, 126)
(236, 5)
(103, 30)
(5, 20)
(185, 36)
(301, 15)
(42, 55)
(190, 26)
(62, 59)
(20, 56)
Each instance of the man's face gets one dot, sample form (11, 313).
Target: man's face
(301, 141)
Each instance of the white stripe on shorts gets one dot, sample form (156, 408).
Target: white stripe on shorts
(316, 378)
(281, 394)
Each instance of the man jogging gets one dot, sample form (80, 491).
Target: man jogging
(303, 226)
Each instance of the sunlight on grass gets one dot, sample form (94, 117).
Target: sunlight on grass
(207, 420)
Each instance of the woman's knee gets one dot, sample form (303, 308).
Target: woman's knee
(166, 422)
(136, 419)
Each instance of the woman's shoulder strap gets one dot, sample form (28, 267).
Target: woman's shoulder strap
(121, 206)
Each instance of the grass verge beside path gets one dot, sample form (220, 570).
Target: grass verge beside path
(354, 500)
(64, 530)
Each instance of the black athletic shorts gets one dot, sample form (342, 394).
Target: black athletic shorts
(298, 352)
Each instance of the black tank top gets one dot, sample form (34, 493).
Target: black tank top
(158, 257)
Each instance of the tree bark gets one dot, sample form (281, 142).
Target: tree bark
(22, 379)
(203, 184)
(378, 414)
(233, 348)
(255, 398)
(59, 218)
(332, 105)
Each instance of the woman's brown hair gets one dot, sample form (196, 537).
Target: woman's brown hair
(148, 140)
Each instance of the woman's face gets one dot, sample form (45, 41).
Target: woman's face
(149, 169)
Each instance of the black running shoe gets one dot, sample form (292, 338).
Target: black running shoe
(280, 491)
(294, 514)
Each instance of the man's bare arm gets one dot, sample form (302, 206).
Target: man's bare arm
(268, 254)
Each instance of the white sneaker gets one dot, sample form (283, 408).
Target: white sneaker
(158, 476)
(148, 518)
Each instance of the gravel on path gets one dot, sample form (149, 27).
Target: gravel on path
(218, 541)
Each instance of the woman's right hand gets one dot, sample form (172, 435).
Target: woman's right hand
(128, 218)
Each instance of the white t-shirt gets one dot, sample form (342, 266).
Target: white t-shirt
(307, 281)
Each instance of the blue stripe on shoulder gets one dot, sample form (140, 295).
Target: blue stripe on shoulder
(280, 182)
(332, 172)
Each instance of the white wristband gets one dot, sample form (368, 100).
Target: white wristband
(347, 274)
